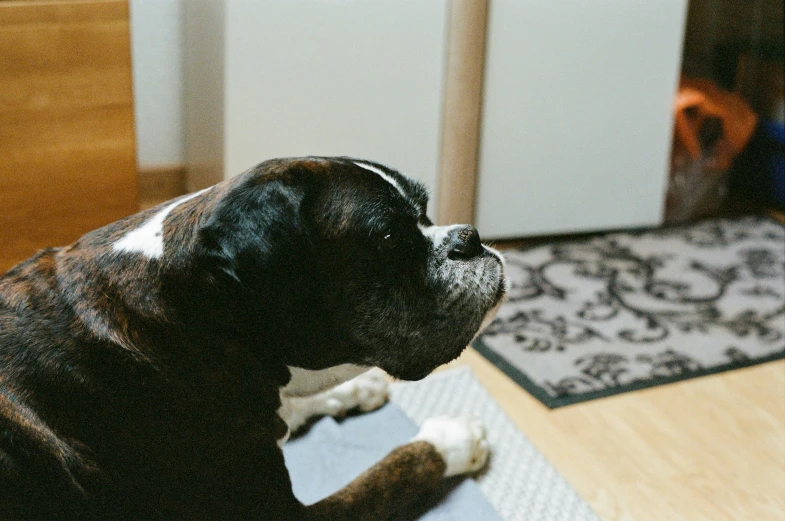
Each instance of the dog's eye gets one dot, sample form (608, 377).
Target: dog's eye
(386, 239)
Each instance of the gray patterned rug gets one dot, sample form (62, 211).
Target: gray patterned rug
(624, 311)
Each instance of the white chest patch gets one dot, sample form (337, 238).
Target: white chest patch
(148, 239)
(387, 177)
(306, 382)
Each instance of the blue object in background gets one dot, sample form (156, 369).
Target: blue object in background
(757, 177)
(775, 130)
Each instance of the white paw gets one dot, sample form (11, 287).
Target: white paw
(365, 392)
(460, 441)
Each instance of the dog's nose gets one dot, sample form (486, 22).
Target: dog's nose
(464, 243)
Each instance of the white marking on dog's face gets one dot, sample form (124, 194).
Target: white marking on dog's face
(438, 234)
(387, 177)
(306, 382)
(148, 239)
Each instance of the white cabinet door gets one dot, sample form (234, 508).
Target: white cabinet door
(335, 78)
(282, 78)
(576, 128)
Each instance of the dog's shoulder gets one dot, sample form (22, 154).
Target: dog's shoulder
(33, 316)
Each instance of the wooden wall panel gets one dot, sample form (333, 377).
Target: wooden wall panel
(462, 111)
(67, 158)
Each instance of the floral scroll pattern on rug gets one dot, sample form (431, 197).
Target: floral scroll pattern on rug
(623, 311)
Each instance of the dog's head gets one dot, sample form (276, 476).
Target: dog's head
(336, 260)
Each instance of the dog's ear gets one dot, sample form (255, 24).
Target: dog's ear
(256, 228)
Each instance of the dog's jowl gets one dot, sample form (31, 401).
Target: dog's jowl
(150, 370)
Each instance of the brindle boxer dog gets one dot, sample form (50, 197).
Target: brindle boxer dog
(143, 368)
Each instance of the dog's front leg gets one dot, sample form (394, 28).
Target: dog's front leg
(364, 393)
(444, 447)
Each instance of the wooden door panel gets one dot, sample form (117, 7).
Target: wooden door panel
(67, 157)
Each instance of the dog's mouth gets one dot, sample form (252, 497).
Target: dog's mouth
(502, 282)
(494, 286)
(416, 375)
(466, 296)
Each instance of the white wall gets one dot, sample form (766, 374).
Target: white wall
(156, 51)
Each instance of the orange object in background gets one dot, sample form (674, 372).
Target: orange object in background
(699, 100)
(712, 127)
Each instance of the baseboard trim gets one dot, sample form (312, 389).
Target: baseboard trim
(160, 183)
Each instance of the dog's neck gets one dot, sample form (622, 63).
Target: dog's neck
(116, 281)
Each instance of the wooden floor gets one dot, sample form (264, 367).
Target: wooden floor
(706, 449)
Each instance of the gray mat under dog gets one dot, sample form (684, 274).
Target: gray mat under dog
(332, 453)
(518, 485)
(624, 311)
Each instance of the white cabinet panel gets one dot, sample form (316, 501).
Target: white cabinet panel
(577, 116)
(328, 77)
